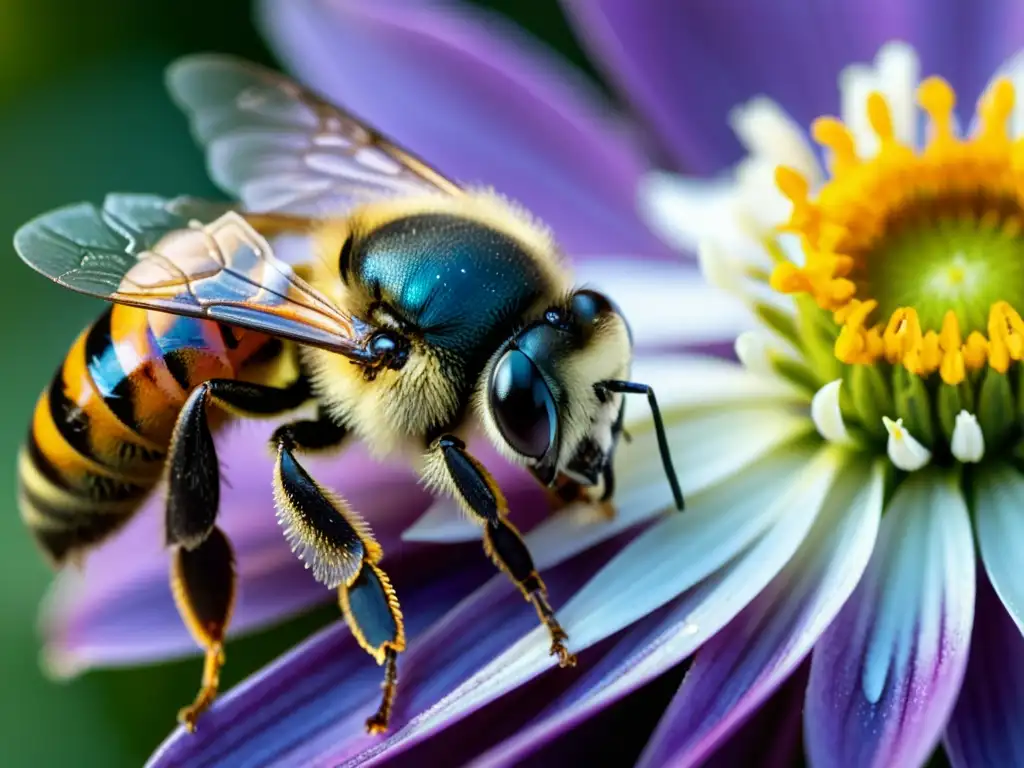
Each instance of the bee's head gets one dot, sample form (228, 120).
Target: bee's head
(553, 394)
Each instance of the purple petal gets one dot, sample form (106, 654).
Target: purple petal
(685, 65)
(743, 665)
(985, 728)
(481, 101)
(119, 608)
(773, 736)
(651, 648)
(885, 676)
(305, 693)
(259, 724)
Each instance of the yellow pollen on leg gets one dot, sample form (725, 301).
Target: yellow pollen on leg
(848, 219)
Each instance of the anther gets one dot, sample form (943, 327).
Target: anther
(835, 136)
(994, 110)
(937, 98)
(879, 116)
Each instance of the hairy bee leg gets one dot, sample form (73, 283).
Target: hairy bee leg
(474, 487)
(339, 547)
(193, 492)
(202, 566)
(203, 584)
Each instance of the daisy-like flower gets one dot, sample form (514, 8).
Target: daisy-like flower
(801, 606)
(888, 286)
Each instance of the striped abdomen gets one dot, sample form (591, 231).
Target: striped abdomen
(100, 433)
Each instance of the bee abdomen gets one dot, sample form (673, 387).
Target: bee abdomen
(100, 433)
(65, 517)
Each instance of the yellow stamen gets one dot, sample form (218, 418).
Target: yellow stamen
(851, 214)
(879, 116)
(832, 134)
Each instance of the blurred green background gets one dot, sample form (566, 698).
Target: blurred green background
(83, 112)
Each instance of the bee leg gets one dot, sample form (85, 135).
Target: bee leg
(320, 434)
(340, 549)
(371, 610)
(202, 565)
(449, 466)
(203, 583)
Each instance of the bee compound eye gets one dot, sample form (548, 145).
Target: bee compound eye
(522, 405)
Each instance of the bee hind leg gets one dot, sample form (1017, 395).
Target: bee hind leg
(203, 583)
(339, 548)
(202, 561)
(449, 466)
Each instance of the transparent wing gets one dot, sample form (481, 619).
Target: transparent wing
(152, 252)
(278, 147)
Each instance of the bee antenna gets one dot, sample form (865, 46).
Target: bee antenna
(635, 388)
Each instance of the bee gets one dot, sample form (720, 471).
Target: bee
(419, 311)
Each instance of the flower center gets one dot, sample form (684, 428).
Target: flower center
(918, 255)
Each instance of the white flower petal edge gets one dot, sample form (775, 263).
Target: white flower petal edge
(665, 303)
(905, 452)
(826, 414)
(444, 522)
(684, 210)
(756, 515)
(768, 133)
(744, 664)
(689, 382)
(772, 138)
(895, 75)
(968, 442)
(999, 523)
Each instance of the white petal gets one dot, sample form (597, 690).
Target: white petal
(924, 513)
(792, 247)
(904, 450)
(826, 414)
(771, 135)
(855, 83)
(750, 528)
(707, 449)
(763, 202)
(666, 303)
(737, 271)
(968, 443)
(752, 351)
(894, 75)
(898, 71)
(443, 522)
(684, 210)
(720, 268)
(886, 674)
(669, 558)
(999, 522)
(741, 666)
(758, 349)
(699, 382)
